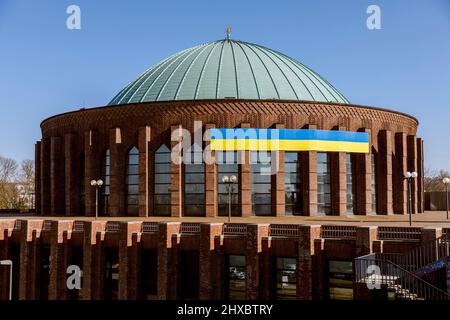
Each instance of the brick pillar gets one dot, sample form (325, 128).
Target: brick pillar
(167, 262)
(45, 176)
(118, 172)
(363, 180)
(60, 234)
(338, 176)
(365, 236)
(211, 179)
(28, 270)
(266, 291)
(57, 192)
(420, 173)
(308, 234)
(37, 178)
(309, 176)
(145, 172)
(208, 260)
(71, 174)
(412, 166)
(400, 188)
(319, 276)
(129, 260)
(219, 270)
(176, 187)
(91, 169)
(93, 260)
(6, 227)
(430, 234)
(245, 180)
(278, 193)
(253, 259)
(384, 173)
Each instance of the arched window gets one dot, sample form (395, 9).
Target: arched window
(132, 182)
(227, 165)
(350, 185)
(293, 183)
(261, 183)
(323, 183)
(81, 186)
(374, 182)
(162, 182)
(194, 185)
(105, 190)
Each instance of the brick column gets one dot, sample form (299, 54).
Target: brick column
(129, 260)
(363, 180)
(338, 176)
(365, 236)
(6, 227)
(384, 173)
(412, 166)
(45, 176)
(145, 172)
(266, 291)
(176, 187)
(208, 260)
(309, 176)
(59, 260)
(167, 262)
(277, 187)
(57, 192)
(118, 172)
(308, 234)
(93, 272)
(91, 169)
(420, 172)
(253, 259)
(71, 175)
(28, 270)
(319, 275)
(245, 180)
(400, 188)
(211, 180)
(37, 178)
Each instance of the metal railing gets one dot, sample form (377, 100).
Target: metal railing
(78, 226)
(339, 232)
(47, 226)
(284, 230)
(392, 277)
(113, 226)
(17, 225)
(150, 227)
(235, 229)
(190, 227)
(399, 233)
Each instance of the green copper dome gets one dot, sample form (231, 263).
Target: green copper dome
(228, 69)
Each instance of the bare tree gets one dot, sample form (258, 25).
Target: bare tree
(433, 180)
(8, 191)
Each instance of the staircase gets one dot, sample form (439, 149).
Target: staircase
(402, 274)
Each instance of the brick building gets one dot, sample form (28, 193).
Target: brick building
(127, 144)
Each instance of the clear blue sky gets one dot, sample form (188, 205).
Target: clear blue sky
(46, 69)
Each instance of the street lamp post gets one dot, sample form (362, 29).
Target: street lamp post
(446, 181)
(409, 176)
(97, 184)
(10, 264)
(229, 182)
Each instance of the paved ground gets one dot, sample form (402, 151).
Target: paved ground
(430, 219)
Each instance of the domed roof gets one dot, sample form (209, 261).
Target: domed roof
(228, 69)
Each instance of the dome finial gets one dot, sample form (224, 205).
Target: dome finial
(228, 31)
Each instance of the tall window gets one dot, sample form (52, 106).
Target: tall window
(236, 275)
(133, 182)
(293, 183)
(323, 183)
(261, 184)
(194, 188)
(227, 166)
(350, 188)
(286, 278)
(82, 187)
(374, 183)
(161, 198)
(106, 175)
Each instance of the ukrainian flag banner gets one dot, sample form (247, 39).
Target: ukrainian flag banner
(252, 139)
